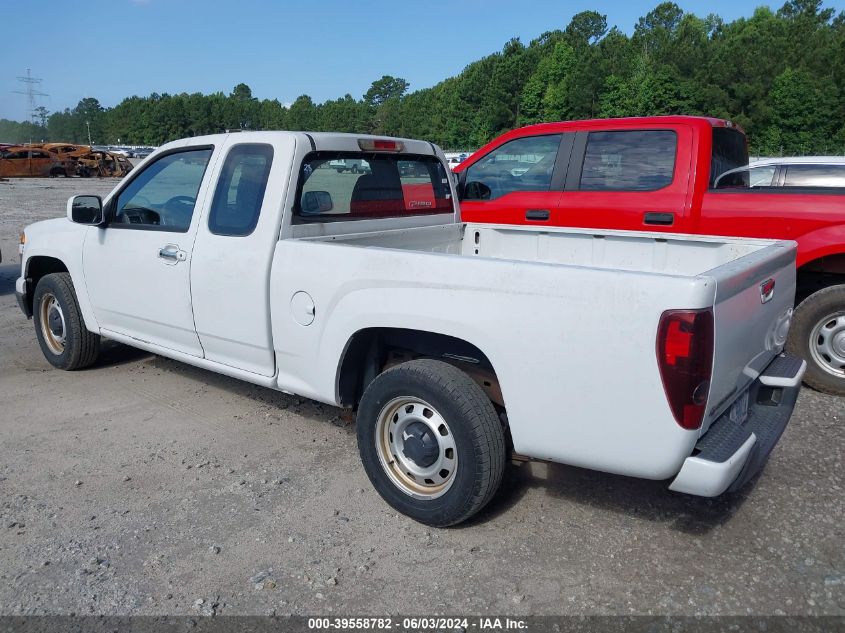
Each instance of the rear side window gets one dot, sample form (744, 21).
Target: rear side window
(815, 176)
(523, 164)
(636, 160)
(240, 190)
(341, 186)
(730, 151)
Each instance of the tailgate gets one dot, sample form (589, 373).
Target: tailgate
(753, 308)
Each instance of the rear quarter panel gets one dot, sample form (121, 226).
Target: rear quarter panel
(815, 220)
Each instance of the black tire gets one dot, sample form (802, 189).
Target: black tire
(473, 424)
(79, 347)
(826, 304)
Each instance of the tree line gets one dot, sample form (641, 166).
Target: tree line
(779, 74)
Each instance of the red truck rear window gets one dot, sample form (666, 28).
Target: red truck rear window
(730, 150)
(341, 186)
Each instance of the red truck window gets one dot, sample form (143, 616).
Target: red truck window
(635, 160)
(523, 164)
(730, 151)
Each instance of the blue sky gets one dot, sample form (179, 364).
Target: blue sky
(324, 48)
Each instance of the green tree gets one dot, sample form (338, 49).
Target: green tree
(803, 115)
(385, 89)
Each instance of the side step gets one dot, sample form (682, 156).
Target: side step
(784, 371)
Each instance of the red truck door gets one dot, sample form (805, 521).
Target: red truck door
(518, 182)
(628, 179)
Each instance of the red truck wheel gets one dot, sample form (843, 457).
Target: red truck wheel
(818, 336)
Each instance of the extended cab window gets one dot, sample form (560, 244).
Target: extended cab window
(523, 164)
(635, 160)
(240, 190)
(163, 196)
(381, 186)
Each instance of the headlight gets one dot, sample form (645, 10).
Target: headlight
(22, 242)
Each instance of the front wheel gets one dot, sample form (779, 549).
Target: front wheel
(431, 442)
(818, 336)
(65, 341)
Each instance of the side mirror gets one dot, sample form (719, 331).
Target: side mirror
(476, 191)
(86, 210)
(316, 202)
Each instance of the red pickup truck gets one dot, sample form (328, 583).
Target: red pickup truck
(657, 174)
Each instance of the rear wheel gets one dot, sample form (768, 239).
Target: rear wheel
(818, 336)
(431, 442)
(65, 341)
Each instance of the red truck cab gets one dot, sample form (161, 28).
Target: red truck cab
(657, 174)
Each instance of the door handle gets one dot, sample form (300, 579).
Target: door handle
(660, 219)
(173, 253)
(537, 214)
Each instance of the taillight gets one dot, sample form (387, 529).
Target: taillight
(685, 358)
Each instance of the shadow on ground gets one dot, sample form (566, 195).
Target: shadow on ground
(8, 274)
(636, 498)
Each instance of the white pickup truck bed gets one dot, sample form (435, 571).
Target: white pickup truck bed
(652, 355)
(584, 312)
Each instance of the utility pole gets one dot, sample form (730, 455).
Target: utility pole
(32, 90)
(88, 125)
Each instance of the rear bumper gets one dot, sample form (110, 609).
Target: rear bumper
(20, 295)
(729, 454)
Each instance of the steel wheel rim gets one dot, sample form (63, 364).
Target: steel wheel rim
(827, 344)
(53, 325)
(399, 422)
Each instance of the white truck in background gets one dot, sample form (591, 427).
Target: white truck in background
(649, 355)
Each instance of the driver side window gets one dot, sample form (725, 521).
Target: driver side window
(523, 164)
(163, 196)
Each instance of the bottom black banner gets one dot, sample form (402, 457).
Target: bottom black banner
(534, 624)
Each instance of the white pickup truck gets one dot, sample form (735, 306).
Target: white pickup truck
(650, 355)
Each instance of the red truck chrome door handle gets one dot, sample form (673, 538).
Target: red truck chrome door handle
(660, 219)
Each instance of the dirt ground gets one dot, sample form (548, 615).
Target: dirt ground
(145, 486)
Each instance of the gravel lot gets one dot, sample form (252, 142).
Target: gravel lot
(144, 486)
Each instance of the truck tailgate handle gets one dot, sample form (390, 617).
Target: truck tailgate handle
(537, 214)
(661, 219)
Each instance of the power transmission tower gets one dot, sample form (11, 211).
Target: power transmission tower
(32, 90)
